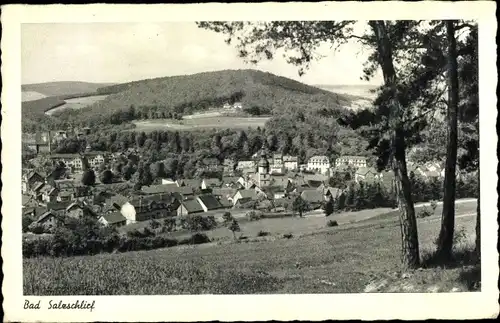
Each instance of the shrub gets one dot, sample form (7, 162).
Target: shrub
(332, 223)
(234, 227)
(227, 217)
(424, 212)
(154, 224)
(197, 238)
(433, 206)
(288, 236)
(262, 233)
(254, 215)
(198, 223)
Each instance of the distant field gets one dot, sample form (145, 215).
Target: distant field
(195, 123)
(350, 258)
(31, 95)
(76, 103)
(362, 91)
(63, 88)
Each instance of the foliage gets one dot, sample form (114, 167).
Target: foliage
(262, 233)
(197, 222)
(254, 215)
(332, 223)
(106, 177)
(88, 177)
(328, 207)
(300, 205)
(424, 212)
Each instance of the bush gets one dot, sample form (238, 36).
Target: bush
(197, 238)
(288, 236)
(332, 223)
(424, 213)
(262, 233)
(254, 215)
(198, 223)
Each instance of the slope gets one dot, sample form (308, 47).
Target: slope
(63, 88)
(186, 94)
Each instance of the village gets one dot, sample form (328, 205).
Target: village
(269, 182)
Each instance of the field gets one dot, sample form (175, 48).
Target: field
(199, 122)
(350, 258)
(76, 103)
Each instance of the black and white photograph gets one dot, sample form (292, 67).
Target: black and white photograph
(249, 157)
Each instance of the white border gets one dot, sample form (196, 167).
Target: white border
(250, 307)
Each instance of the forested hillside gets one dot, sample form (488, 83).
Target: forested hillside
(155, 98)
(63, 88)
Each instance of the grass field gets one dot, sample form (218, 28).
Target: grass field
(350, 258)
(198, 122)
(77, 103)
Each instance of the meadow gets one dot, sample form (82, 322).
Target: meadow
(76, 103)
(312, 258)
(200, 123)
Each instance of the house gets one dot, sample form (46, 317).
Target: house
(96, 158)
(115, 219)
(49, 194)
(210, 183)
(225, 202)
(290, 162)
(29, 201)
(238, 105)
(160, 189)
(65, 196)
(230, 181)
(167, 181)
(58, 207)
(30, 179)
(115, 202)
(277, 160)
(34, 212)
(71, 161)
(332, 193)
(247, 195)
(226, 192)
(365, 174)
(356, 161)
(229, 164)
(39, 142)
(209, 202)
(189, 206)
(76, 210)
(319, 164)
(49, 220)
(146, 208)
(209, 164)
(273, 169)
(246, 165)
(314, 197)
(37, 188)
(193, 183)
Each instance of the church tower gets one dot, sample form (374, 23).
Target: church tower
(263, 174)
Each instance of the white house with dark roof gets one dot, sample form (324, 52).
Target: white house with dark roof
(248, 194)
(115, 219)
(290, 162)
(320, 164)
(356, 161)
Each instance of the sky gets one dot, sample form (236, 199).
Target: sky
(124, 52)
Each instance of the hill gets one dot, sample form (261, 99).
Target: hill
(31, 96)
(355, 90)
(263, 93)
(63, 88)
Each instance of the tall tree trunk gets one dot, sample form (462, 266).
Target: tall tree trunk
(410, 256)
(478, 219)
(445, 239)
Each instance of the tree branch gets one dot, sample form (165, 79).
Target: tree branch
(464, 25)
